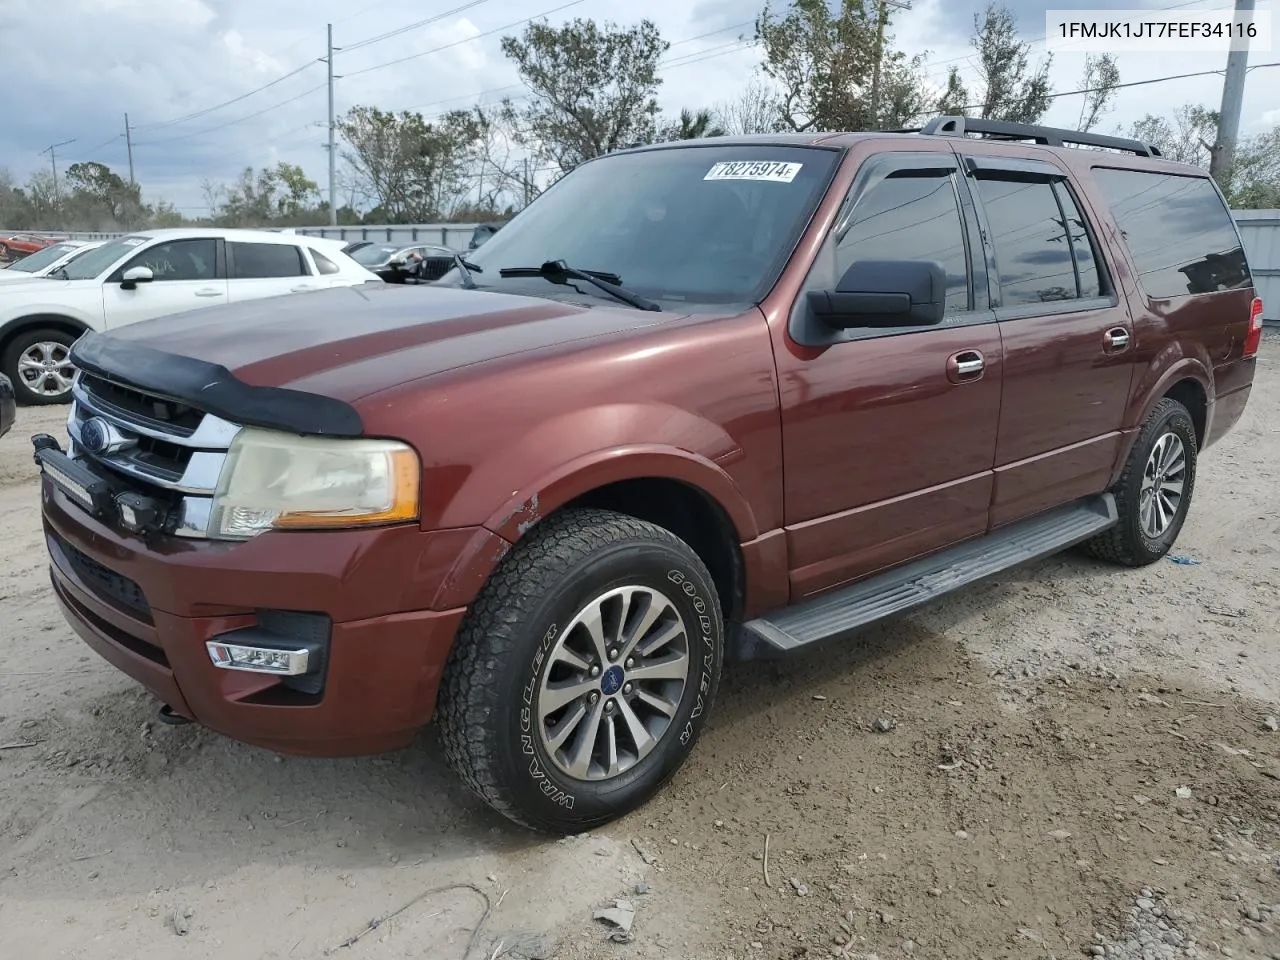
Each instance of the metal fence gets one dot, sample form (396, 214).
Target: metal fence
(1260, 231)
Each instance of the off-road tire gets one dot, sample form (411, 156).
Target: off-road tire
(16, 348)
(1127, 543)
(485, 712)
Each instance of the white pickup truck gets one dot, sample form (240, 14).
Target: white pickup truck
(149, 274)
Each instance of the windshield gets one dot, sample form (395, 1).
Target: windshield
(704, 224)
(42, 258)
(373, 255)
(89, 265)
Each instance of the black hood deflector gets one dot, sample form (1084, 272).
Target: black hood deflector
(213, 389)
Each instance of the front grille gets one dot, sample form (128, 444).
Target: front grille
(107, 584)
(166, 415)
(433, 268)
(154, 445)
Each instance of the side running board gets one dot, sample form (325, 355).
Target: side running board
(846, 610)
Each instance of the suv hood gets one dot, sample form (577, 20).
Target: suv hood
(349, 342)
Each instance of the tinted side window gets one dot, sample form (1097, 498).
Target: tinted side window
(1033, 252)
(1178, 230)
(1081, 244)
(180, 260)
(257, 261)
(911, 218)
(323, 263)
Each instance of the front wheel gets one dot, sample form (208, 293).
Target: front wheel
(39, 364)
(1154, 492)
(584, 672)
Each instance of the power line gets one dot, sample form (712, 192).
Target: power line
(226, 103)
(457, 43)
(400, 31)
(221, 126)
(1138, 83)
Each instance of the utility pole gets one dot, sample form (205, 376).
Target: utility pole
(333, 153)
(1223, 156)
(128, 139)
(51, 150)
(882, 18)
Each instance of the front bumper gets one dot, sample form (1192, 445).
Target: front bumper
(150, 609)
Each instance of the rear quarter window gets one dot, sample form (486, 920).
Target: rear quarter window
(1179, 232)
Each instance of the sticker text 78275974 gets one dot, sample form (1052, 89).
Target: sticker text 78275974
(769, 170)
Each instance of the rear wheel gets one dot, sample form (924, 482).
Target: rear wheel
(39, 364)
(583, 673)
(1154, 492)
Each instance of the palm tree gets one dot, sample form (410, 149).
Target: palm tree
(693, 126)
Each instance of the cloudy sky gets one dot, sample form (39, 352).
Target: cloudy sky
(73, 69)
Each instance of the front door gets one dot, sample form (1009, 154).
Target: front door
(185, 276)
(889, 435)
(1067, 339)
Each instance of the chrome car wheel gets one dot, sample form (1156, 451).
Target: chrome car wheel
(45, 368)
(1163, 481)
(614, 680)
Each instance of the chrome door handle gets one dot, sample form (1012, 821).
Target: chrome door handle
(301, 289)
(208, 293)
(1117, 339)
(965, 366)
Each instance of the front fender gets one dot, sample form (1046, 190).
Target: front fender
(527, 477)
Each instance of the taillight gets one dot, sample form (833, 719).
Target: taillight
(1254, 339)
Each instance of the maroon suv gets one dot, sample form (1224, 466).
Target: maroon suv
(732, 396)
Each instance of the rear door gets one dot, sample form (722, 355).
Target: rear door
(264, 269)
(889, 434)
(1068, 356)
(187, 274)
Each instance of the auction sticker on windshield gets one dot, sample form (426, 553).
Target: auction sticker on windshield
(769, 170)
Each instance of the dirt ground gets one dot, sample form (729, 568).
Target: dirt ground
(1068, 760)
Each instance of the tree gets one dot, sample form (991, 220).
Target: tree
(15, 206)
(592, 88)
(1011, 90)
(837, 69)
(1253, 183)
(1101, 74)
(413, 170)
(99, 198)
(692, 126)
(1187, 137)
(757, 110)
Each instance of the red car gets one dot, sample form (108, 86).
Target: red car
(21, 244)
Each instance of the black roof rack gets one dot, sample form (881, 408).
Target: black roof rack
(1049, 136)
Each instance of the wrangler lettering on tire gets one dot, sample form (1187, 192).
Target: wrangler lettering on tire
(584, 671)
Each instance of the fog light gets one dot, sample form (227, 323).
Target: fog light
(280, 663)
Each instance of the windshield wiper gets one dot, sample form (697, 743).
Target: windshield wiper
(557, 271)
(465, 270)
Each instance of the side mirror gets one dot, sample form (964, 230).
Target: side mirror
(396, 262)
(134, 276)
(883, 293)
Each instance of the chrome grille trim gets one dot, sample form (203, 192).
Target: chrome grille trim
(213, 433)
(204, 448)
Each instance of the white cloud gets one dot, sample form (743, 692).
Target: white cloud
(162, 62)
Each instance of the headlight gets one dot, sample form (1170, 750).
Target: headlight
(278, 481)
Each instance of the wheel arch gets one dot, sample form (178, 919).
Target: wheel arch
(680, 491)
(40, 321)
(1189, 381)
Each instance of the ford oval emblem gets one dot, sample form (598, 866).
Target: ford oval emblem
(95, 436)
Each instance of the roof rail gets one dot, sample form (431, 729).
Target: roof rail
(1049, 136)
